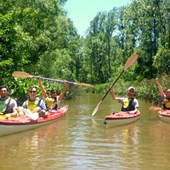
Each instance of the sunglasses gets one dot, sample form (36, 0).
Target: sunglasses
(31, 91)
(53, 92)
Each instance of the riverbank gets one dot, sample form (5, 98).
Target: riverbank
(146, 89)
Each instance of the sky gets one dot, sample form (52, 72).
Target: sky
(81, 12)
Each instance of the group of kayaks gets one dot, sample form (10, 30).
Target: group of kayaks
(23, 123)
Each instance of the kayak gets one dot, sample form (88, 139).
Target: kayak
(121, 118)
(23, 123)
(164, 115)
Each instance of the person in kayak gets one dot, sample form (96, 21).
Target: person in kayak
(34, 104)
(54, 99)
(8, 106)
(130, 103)
(165, 97)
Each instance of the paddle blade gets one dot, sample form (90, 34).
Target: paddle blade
(84, 84)
(96, 109)
(155, 108)
(20, 74)
(33, 116)
(130, 61)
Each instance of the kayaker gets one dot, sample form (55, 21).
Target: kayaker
(8, 106)
(34, 104)
(54, 99)
(129, 103)
(164, 96)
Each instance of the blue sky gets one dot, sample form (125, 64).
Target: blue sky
(82, 12)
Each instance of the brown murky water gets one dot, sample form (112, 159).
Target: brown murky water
(81, 142)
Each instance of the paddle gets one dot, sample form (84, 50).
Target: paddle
(33, 116)
(155, 108)
(20, 74)
(128, 63)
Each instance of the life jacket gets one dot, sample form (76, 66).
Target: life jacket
(32, 104)
(127, 105)
(166, 103)
(51, 103)
(4, 107)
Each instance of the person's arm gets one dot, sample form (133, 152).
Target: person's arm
(42, 88)
(133, 111)
(24, 105)
(159, 87)
(14, 107)
(64, 90)
(113, 94)
(41, 106)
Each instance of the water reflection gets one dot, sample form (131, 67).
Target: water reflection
(79, 141)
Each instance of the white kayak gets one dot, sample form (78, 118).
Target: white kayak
(23, 123)
(121, 118)
(164, 115)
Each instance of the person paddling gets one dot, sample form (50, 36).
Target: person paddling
(130, 103)
(164, 96)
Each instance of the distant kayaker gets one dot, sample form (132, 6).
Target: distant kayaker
(54, 99)
(8, 106)
(164, 96)
(34, 104)
(129, 103)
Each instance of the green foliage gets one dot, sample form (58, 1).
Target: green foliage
(54, 63)
(37, 37)
(99, 46)
(146, 89)
(162, 59)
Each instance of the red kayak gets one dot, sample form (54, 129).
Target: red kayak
(121, 118)
(164, 115)
(23, 123)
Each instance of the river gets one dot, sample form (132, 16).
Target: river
(79, 141)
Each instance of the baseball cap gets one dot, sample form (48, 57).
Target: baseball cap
(131, 87)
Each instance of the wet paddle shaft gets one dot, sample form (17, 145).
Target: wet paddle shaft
(129, 62)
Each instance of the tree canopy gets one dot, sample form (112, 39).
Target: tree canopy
(37, 36)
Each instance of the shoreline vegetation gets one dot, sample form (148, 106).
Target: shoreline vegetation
(39, 38)
(146, 89)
